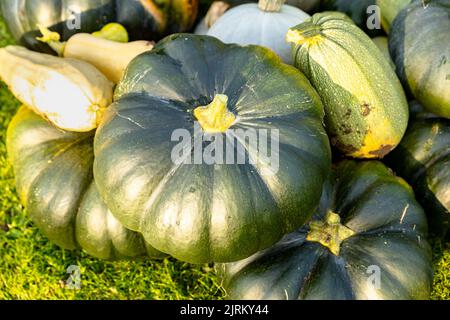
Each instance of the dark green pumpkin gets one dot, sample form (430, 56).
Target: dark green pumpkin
(356, 10)
(389, 9)
(210, 212)
(419, 43)
(144, 19)
(423, 159)
(373, 247)
(366, 111)
(53, 171)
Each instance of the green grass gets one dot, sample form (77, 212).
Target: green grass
(33, 268)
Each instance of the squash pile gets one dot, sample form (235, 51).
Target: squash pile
(257, 147)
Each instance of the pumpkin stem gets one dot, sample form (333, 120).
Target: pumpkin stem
(52, 39)
(329, 233)
(270, 5)
(215, 117)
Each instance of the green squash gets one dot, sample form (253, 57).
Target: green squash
(389, 9)
(419, 44)
(423, 159)
(53, 171)
(143, 19)
(382, 44)
(357, 11)
(366, 241)
(195, 209)
(366, 108)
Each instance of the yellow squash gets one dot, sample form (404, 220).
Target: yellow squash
(108, 49)
(72, 94)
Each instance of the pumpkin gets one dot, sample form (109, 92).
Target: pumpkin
(366, 241)
(419, 43)
(53, 170)
(358, 11)
(144, 19)
(71, 93)
(163, 167)
(389, 10)
(217, 9)
(366, 108)
(423, 159)
(265, 23)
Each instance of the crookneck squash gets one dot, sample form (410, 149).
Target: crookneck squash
(144, 19)
(366, 108)
(423, 159)
(366, 241)
(53, 171)
(177, 158)
(419, 43)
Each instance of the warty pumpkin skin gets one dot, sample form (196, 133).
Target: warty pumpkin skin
(210, 212)
(53, 170)
(144, 19)
(423, 159)
(374, 228)
(419, 43)
(366, 112)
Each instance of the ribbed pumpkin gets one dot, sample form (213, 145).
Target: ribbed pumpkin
(144, 19)
(423, 159)
(265, 24)
(195, 208)
(419, 43)
(366, 108)
(217, 9)
(53, 171)
(367, 241)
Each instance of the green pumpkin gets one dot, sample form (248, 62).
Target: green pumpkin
(419, 44)
(53, 171)
(357, 11)
(423, 159)
(366, 241)
(366, 108)
(143, 19)
(195, 209)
